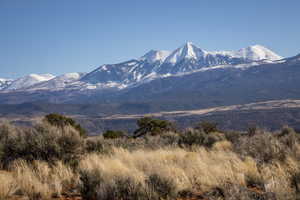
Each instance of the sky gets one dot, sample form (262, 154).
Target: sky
(61, 36)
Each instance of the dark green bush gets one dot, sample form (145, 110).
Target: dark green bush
(98, 145)
(161, 188)
(90, 183)
(43, 142)
(93, 186)
(61, 121)
(233, 136)
(110, 134)
(295, 182)
(152, 126)
(252, 130)
(264, 148)
(286, 130)
(128, 189)
(207, 127)
(198, 137)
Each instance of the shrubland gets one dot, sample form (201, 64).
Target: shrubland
(55, 160)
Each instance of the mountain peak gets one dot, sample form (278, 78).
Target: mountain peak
(154, 56)
(41, 77)
(257, 46)
(257, 52)
(188, 44)
(190, 50)
(187, 51)
(29, 80)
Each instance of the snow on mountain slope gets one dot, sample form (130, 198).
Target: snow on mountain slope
(256, 52)
(159, 64)
(27, 81)
(251, 53)
(4, 83)
(57, 83)
(155, 56)
(155, 64)
(187, 51)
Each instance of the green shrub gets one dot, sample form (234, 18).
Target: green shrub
(286, 130)
(161, 187)
(232, 136)
(62, 121)
(252, 130)
(152, 126)
(110, 134)
(98, 145)
(43, 142)
(89, 183)
(167, 139)
(95, 186)
(128, 189)
(295, 182)
(198, 137)
(207, 127)
(264, 148)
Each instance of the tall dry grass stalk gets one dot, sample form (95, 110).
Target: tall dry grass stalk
(7, 185)
(201, 170)
(277, 178)
(39, 180)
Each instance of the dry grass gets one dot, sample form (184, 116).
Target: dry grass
(7, 185)
(136, 174)
(39, 180)
(48, 162)
(201, 170)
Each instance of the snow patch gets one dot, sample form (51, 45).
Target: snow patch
(155, 56)
(257, 52)
(28, 81)
(187, 51)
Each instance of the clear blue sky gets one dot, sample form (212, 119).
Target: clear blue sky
(59, 36)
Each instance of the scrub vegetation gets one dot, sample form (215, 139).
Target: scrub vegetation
(55, 160)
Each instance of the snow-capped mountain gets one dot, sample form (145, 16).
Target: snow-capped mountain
(186, 59)
(188, 77)
(4, 83)
(187, 51)
(57, 83)
(154, 56)
(257, 52)
(153, 65)
(27, 81)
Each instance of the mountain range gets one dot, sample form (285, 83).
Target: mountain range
(153, 65)
(186, 78)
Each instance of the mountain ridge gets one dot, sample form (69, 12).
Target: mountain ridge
(154, 64)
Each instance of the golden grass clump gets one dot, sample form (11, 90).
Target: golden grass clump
(39, 180)
(277, 181)
(7, 185)
(202, 170)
